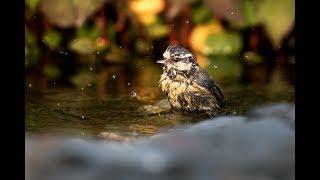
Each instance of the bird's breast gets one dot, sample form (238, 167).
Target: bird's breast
(175, 85)
(185, 94)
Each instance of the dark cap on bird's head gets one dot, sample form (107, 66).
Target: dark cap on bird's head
(178, 58)
(176, 53)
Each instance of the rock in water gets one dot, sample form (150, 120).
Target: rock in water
(259, 146)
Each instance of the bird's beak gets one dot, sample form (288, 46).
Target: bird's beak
(161, 61)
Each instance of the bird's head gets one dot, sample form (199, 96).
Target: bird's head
(178, 59)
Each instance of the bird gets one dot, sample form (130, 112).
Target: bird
(187, 86)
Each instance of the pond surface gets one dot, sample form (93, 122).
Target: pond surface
(129, 102)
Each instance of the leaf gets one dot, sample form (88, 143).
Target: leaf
(277, 16)
(69, 13)
(223, 44)
(52, 39)
(200, 33)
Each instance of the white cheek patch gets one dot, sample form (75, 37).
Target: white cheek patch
(182, 66)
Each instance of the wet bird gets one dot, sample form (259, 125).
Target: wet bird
(188, 87)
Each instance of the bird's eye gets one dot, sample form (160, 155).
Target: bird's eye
(176, 59)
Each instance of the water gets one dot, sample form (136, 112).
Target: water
(131, 104)
(145, 140)
(212, 149)
(73, 111)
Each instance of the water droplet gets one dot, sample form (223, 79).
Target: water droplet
(98, 52)
(66, 53)
(58, 104)
(30, 85)
(91, 68)
(215, 66)
(89, 85)
(133, 94)
(82, 88)
(234, 112)
(113, 76)
(128, 84)
(82, 133)
(82, 116)
(187, 21)
(120, 47)
(232, 13)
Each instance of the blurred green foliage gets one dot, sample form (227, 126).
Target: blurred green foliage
(111, 31)
(31, 49)
(82, 45)
(142, 46)
(87, 31)
(201, 14)
(84, 79)
(157, 30)
(32, 4)
(223, 44)
(69, 13)
(52, 71)
(117, 55)
(277, 16)
(224, 67)
(52, 39)
(249, 12)
(252, 58)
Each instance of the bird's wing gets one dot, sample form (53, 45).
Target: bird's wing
(204, 80)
